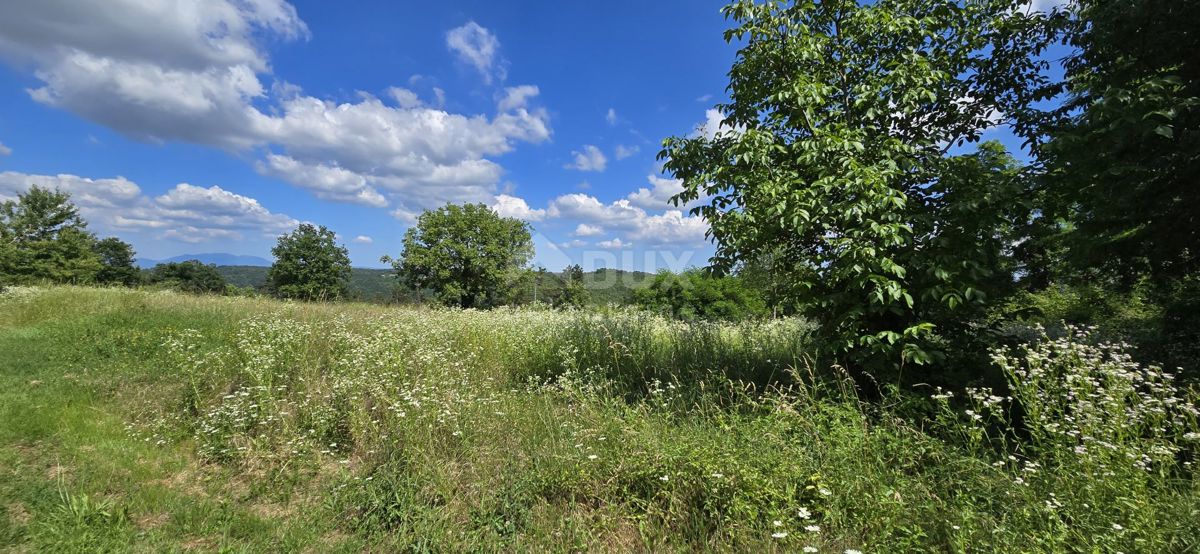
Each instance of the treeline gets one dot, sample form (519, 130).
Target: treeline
(45, 240)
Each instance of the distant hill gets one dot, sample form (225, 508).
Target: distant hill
(218, 258)
(371, 285)
(607, 286)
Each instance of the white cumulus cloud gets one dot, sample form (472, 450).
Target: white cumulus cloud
(186, 212)
(614, 244)
(585, 230)
(589, 159)
(326, 182)
(516, 97)
(512, 206)
(669, 228)
(363, 239)
(192, 70)
(659, 194)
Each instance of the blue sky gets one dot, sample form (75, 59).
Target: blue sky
(215, 125)
(214, 128)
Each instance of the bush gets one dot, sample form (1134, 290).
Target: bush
(189, 276)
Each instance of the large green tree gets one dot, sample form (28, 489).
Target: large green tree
(836, 158)
(45, 239)
(309, 265)
(117, 265)
(466, 254)
(1124, 171)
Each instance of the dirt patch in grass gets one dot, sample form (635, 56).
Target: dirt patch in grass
(199, 544)
(57, 471)
(18, 515)
(147, 522)
(189, 482)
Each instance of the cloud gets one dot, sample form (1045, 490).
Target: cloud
(516, 97)
(626, 151)
(585, 230)
(704, 98)
(186, 212)
(326, 182)
(151, 69)
(573, 243)
(587, 208)
(611, 117)
(477, 47)
(614, 244)
(186, 34)
(670, 228)
(404, 215)
(404, 98)
(4, 150)
(512, 206)
(590, 159)
(713, 126)
(363, 239)
(658, 196)
(191, 70)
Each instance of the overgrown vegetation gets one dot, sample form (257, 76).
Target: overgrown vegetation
(907, 341)
(162, 421)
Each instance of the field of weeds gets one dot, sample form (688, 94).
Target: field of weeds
(151, 421)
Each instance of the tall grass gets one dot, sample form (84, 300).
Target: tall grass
(537, 430)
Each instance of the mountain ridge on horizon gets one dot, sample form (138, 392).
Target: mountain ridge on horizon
(216, 258)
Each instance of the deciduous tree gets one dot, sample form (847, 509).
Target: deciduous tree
(834, 157)
(466, 254)
(309, 265)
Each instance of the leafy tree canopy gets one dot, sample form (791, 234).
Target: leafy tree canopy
(697, 295)
(42, 237)
(466, 254)
(189, 276)
(117, 264)
(1123, 169)
(309, 265)
(834, 158)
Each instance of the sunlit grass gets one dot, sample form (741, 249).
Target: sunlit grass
(140, 420)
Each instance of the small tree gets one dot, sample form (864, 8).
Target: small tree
(116, 263)
(467, 254)
(46, 239)
(309, 265)
(573, 294)
(190, 276)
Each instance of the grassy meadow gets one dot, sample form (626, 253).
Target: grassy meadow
(157, 421)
